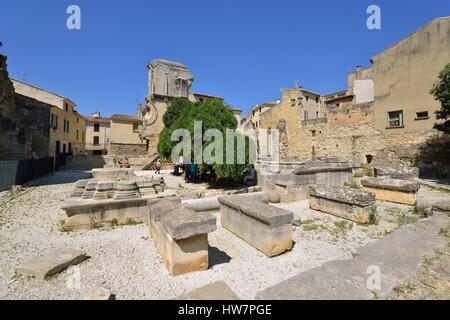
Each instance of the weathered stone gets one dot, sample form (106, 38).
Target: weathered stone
(182, 223)
(392, 190)
(125, 186)
(98, 294)
(82, 183)
(189, 253)
(103, 190)
(260, 211)
(112, 173)
(343, 194)
(397, 173)
(89, 190)
(53, 262)
(443, 206)
(218, 290)
(159, 208)
(77, 193)
(391, 184)
(265, 227)
(126, 190)
(212, 203)
(83, 214)
(344, 202)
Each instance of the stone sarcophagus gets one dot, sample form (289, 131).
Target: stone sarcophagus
(180, 235)
(265, 227)
(292, 184)
(344, 202)
(392, 190)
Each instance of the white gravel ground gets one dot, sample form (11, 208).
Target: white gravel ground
(125, 261)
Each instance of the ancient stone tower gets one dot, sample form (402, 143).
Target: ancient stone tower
(166, 80)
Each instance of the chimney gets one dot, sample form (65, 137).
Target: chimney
(358, 72)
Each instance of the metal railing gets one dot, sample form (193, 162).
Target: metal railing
(18, 172)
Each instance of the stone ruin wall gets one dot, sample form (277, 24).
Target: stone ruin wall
(350, 134)
(118, 149)
(14, 142)
(24, 122)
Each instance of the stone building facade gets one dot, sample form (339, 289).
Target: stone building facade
(97, 134)
(385, 116)
(24, 122)
(167, 80)
(67, 126)
(124, 137)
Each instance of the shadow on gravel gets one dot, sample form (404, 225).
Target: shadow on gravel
(217, 256)
(59, 177)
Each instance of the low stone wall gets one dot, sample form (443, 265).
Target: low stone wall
(119, 149)
(137, 162)
(181, 236)
(392, 190)
(344, 202)
(265, 227)
(82, 162)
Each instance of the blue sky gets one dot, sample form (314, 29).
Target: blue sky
(244, 51)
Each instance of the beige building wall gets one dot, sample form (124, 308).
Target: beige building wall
(123, 132)
(405, 73)
(124, 136)
(103, 134)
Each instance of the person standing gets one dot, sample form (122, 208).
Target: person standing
(158, 166)
(181, 162)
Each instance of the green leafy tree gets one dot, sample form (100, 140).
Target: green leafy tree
(441, 92)
(214, 114)
(174, 110)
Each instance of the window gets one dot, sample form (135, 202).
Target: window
(54, 121)
(395, 119)
(66, 107)
(313, 133)
(317, 114)
(66, 125)
(77, 134)
(135, 127)
(96, 127)
(306, 116)
(307, 98)
(292, 102)
(78, 120)
(82, 136)
(317, 99)
(96, 141)
(422, 115)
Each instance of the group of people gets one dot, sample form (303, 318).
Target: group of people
(190, 170)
